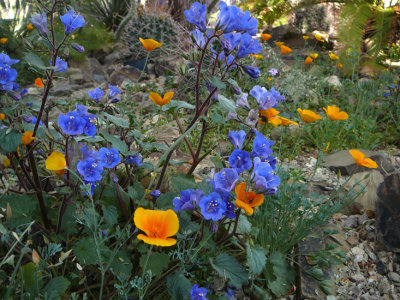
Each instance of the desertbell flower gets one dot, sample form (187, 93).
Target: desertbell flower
(196, 15)
(232, 115)
(248, 45)
(114, 91)
(261, 146)
(230, 41)
(212, 206)
(71, 123)
(116, 100)
(109, 158)
(90, 119)
(198, 37)
(266, 99)
(134, 160)
(77, 48)
(188, 199)
(264, 177)
(72, 21)
(237, 138)
(198, 293)
(225, 180)
(40, 22)
(232, 18)
(86, 153)
(90, 169)
(273, 71)
(252, 71)
(240, 160)
(96, 94)
(61, 66)
(242, 101)
(230, 209)
(155, 194)
(252, 117)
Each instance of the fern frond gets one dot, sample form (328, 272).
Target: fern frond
(381, 27)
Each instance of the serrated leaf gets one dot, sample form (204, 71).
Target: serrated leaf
(216, 82)
(120, 122)
(183, 182)
(156, 262)
(85, 251)
(116, 142)
(228, 267)
(55, 288)
(178, 286)
(256, 259)
(244, 225)
(226, 104)
(283, 274)
(9, 140)
(110, 215)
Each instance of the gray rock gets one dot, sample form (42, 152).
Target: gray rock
(63, 90)
(388, 213)
(125, 73)
(342, 161)
(77, 78)
(394, 276)
(333, 81)
(96, 70)
(351, 222)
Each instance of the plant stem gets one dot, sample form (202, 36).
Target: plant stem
(145, 65)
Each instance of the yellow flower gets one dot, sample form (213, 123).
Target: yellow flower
(2, 117)
(285, 50)
(3, 40)
(314, 55)
(158, 225)
(256, 56)
(56, 162)
(269, 113)
(360, 159)
(327, 147)
(269, 78)
(29, 26)
(340, 65)
(6, 162)
(308, 60)
(278, 43)
(275, 121)
(308, 116)
(150, 44)
(333, 56)
(287, 122)
(305, 37)
(27, 137)
(393, 45)
(247, 200)
(156, 98)
(319, 38)
(334, 114)
(39, 82)
(265, 36)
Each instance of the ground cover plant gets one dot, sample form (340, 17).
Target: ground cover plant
(88, 213)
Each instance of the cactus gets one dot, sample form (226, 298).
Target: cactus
(130, 15)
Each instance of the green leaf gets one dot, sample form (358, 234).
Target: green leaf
(120, 122)
(110, 215)
(89, 139)
(216, 82)
(183, 182)
(244, 225)
(178, 286)
(85, 251)
(156, 262)
(227, 266)
(35, 61)
(256, 259)
(174, 105)
(282, 272)
(23, 209)
(226, 104)
(28, 279)
(121, 264)
(165, 200)
(116, 142)
(55, 288)
(9, 141)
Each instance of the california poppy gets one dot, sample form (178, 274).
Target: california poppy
(308, 116)
(340, 65)
(314, 55)
(2, 117)
(333, 56)
(269, 113)
(29, 26)
(156, 98)
(150, 44)
(3, 40)
(278, 43)
(56, 162)
(308, 60)
(327, 147)
(39, 82)
(360, 159)
(287, 122)
(319, 38)
(27, 137)
(285, 50)
(305, 37)
(247, 200)
(265, 36)
(269, 78)
(158, 225)
(6, 162)
(334, 114)
(256, 56)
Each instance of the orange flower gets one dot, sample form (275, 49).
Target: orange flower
(265, 36)
(156, 98)
(150, 44)
(56, 162)
(39, 82)
(3, 40)
(360, 159)
(269, 78)
(29, 26)
(275, 121)
(308, 60)
(158, 225)
(269, 113)
(27, 137)
(285, 50)
(332, 56)
(319, 38)
(247, 200)
(334, 114)
(327, 147)
(2, 117)
(308, 116)
(278, 43)
(340, 65)
(287, 122)
(314, 55)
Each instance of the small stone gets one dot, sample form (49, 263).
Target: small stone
(394, 277)
(384, 286)
(351, 222)
(380, 267)
(352, 239)
(359, 254)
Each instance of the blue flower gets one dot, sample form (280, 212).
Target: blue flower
(90, 169)
(71, 123)
(198, 37)
(252, 71)
(232, 116)
(6, 60)
(240, 160)
(198, 293)
(77, 48)
(188, 199)
(34, 120)
(109, 158)
(116, 100)
(93, 186)
(230, 209)
(155, 194)
(237, 138)
(232, 18)
(230, 293)
(7, 77)
(242, 101)
(261, 146)
(96, 94)
(212, 206)
(266, 99)
(86, 153)
(230, 41)
(273, 71)
(114, 91)
(264, 177)
(23, 91)
(271, 160)
(134, 160)
(225, 179)
(61, 66)
(196, 15)
(40, 22)
(90, 119)
(72, 21)
(247, 46)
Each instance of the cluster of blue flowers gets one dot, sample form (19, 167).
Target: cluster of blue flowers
(8, 75)
(113, 92)
(260, 165)
(78, 122)
(238, 29)
(266, 99)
